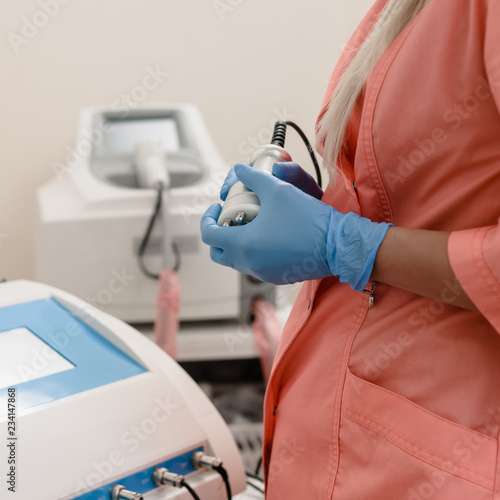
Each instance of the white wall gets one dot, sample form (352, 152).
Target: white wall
(243, 62)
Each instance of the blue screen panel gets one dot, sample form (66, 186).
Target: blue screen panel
(96, 361)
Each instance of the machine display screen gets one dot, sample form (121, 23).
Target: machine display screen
(122, 135)
(29, 358)
(48, 353)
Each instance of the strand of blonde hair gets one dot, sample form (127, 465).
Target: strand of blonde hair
(396, 15)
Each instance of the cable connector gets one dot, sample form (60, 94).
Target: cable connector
(199, 460)
(164, 476)
(120, 493)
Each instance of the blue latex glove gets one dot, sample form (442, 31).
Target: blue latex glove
(286, 171)
(295, 237)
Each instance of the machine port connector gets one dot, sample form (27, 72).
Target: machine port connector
(164, 476)
(200, 460)
(120, 493)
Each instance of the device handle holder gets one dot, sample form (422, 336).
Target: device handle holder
(151, 164)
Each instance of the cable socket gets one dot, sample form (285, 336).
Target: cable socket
(201, 461)
(163, 476)
(119, 492)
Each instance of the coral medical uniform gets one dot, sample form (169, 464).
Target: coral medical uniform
(401, 401)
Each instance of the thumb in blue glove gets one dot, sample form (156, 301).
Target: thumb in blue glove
(286, 171)
(295, 237)
(294, 174)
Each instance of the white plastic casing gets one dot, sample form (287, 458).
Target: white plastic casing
(75, 444)
(89, 230)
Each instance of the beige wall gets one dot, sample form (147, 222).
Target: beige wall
(242, 62)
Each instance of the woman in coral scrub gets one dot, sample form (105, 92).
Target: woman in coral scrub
(386, 384)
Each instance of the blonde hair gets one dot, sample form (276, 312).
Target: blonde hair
(396, 15)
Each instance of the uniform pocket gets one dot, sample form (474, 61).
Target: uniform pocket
(431, 451)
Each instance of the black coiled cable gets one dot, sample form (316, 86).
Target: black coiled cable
(255, 476)
(279, 134)
(309, 149)
(147, 235)
(225, 478)
(191, 491)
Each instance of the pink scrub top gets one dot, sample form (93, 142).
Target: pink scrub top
(402, 401)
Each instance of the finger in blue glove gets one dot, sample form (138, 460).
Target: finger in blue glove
(229, 182)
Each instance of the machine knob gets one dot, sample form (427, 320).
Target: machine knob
(120, 493)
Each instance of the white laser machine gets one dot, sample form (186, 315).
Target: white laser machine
(93, 215)
(92, 410)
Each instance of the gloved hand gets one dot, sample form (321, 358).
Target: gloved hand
(286, 171)
(295, 237)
